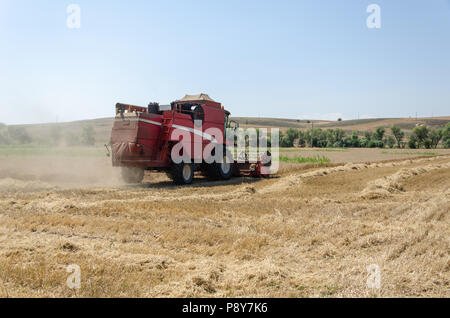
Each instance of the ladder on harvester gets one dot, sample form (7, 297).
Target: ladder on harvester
(164, 137)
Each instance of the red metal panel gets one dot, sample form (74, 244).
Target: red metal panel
(143, 140)
(149, 133)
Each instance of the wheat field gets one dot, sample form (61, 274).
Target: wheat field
(310, 231)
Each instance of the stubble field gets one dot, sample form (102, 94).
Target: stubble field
(310, 231)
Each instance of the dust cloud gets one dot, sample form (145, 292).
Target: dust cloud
(31, 173)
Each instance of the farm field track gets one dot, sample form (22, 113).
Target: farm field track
(310, 231)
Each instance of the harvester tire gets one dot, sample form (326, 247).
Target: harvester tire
(182, 173)
(132, 174)
(221, 171)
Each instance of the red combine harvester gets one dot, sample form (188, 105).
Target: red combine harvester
(142, 139)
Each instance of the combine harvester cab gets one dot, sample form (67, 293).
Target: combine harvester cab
(142, 139)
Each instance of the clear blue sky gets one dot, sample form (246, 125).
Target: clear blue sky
(290, 59)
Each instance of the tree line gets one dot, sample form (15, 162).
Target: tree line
(421, 137)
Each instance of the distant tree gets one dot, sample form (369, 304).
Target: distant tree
(348, 141)
(328, 138)
(390, 141)
(292, 134)
(398, 134)
(302, 138)
(421, 134)
(284, 140)
(427, 143)
(373, 140)
(413, 142)
(313, 136)
(364, 143)
(323, 138)
(355, 140)
(379, 133)
(435, 137)
(339, 119)
(338, 135)
(280, 136)
(18, 135)
(88, 135)
(446, 136)
(331, 138)
(375, 143)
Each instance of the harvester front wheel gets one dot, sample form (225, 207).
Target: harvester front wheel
(132, 174)
(182, 173)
